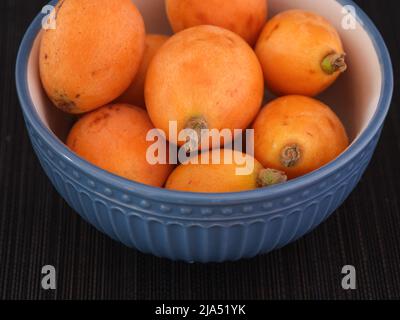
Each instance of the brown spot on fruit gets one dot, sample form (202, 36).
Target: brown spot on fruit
(269, 35)
(115, 107)
(277, 27)
(63, 102)
(65, 105)
(99, 119)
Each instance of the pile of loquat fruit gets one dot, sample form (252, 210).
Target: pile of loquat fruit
(100, 65)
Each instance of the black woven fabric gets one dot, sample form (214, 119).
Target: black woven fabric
(38, 228)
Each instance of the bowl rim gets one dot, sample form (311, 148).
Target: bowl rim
(191, 198)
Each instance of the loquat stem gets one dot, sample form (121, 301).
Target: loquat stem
(334, 62)
(270, 177)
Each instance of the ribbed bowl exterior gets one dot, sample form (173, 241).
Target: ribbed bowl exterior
(199, 233)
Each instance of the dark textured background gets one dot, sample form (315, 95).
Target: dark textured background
(37, 227)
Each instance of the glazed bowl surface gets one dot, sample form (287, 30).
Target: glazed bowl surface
(218, 227)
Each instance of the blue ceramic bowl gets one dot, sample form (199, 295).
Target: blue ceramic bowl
(218, 227)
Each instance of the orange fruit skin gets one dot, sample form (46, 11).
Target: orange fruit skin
(246, 18)
(204, 71)
(303, 121)
(135, 93)
(214, 178)
(93, 54)
(291, 48)
(114, 139)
